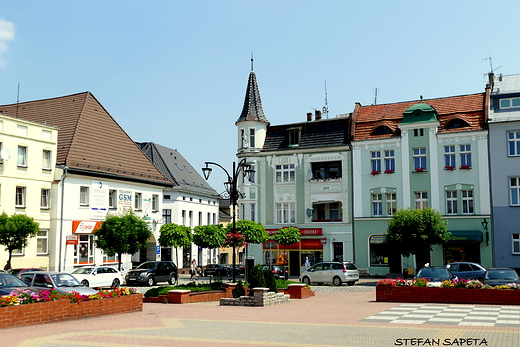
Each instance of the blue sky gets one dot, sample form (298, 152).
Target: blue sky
(175, 72)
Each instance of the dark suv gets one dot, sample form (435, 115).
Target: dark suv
(152, 272)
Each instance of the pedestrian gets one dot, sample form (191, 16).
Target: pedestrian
(193, 270)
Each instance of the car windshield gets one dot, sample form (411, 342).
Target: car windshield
(146, 266)
(10, 281)
(433, 273)
(501, 275)
(65, 280)
(83, 271)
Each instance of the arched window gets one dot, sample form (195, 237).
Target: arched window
(456, 123)
(382, 130)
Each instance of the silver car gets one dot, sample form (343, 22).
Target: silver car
(60, 281)
(335, 272)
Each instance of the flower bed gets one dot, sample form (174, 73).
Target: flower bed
(26, 308)
(449, 292)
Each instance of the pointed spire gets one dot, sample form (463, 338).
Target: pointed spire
(252, 110)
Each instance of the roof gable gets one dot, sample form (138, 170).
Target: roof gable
(89, 139)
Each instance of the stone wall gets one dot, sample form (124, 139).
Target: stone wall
(261, 297)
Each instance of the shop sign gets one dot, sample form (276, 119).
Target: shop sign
(303, 231)
(72, 239)
(85, 226)
(323, 240)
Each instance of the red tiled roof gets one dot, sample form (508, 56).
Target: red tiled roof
(470, 108)
(89, 139)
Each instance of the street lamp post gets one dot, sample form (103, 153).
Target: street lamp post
(231, 187)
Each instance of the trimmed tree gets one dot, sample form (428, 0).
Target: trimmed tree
(209, 236)
(174, 235)
(286, 237)
(412, 231)
(15, 232)
(246, 232)
(123, 233)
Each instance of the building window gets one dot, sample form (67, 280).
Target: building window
(20, 197)
(22, 156)
(375, 161)
(419, 159)
(330, 170)
(84, 251)
(285, 213)
(418, 132)
(46, 159)
(449, 157)
(391, 203)
(465, 155)
(514, 188)
(83, 196)
(467, 202)
(155, 203)
(209, 218)
(167, 216)
(451, 202)
(377, 204)
(42, 240)
(44, 199)
(421, 200)
(378, 255)
(252, 212)
(516, 243)
(190, 219)
(294, 137)
(183, 216)
(112, 196)
(513, 139)
(252, 138)
(243, 143)
(138, 203)
(509, 103)
(389, 161)
(285, 173)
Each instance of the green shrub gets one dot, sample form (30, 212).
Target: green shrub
(270, 281)
(239, 290)
(256, 278)
(194, 287)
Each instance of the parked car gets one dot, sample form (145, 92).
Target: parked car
(279, 272)
(467, 270)
(239, 268)
(216, 270)
(18, 272)
(501, 276)
(99, 276)
(435, 273)
(335, 272)
(152, 272)
(60, 281)
(9, 282)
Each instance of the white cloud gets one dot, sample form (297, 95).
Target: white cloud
(6, 34)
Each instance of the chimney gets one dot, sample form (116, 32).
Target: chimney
(309, 116)
(317, 114)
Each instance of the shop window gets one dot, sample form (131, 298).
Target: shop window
(377, 251)
(326, 170)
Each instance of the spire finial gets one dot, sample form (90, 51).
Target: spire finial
(421, 98)
(252, 62)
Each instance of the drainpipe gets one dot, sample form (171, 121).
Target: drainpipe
(65, 168)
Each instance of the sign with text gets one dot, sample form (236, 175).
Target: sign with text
(85, 226)
(303, 231)
(99, 202)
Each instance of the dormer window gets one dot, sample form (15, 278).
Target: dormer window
(509, 103)
(294, 137)
(456, 123)
(418, 132)
(382, 130)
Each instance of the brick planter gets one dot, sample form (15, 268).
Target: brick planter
(62, 310)
(448, 295)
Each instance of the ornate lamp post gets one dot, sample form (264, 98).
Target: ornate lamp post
(231, 187)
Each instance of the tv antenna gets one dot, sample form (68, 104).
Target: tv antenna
(491, 65)
(375, 97)
(325, 108)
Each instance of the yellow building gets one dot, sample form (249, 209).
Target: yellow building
(27, 164)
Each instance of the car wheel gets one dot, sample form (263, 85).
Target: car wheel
(306, 280)
(351, 283)
(115, 283)
(84, 283)
(151, 281)
(336, 281)
(172, 280)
